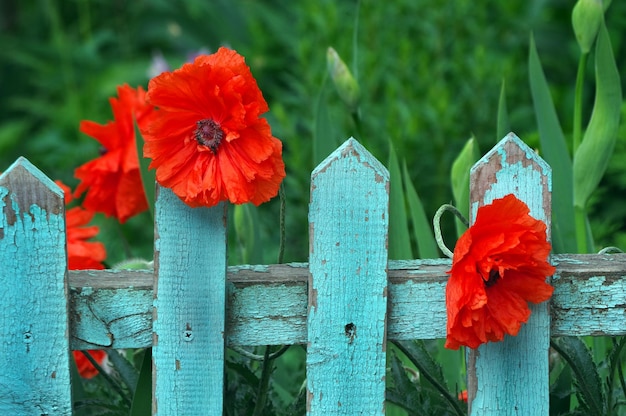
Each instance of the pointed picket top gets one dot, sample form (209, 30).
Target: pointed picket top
(513, 373)
(34, 328)
(33, 185)
(498, 173)
(352, 147)
(347, 304)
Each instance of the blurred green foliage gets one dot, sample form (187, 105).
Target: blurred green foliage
(429, 75)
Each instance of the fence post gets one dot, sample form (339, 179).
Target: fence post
(512, 376)
(34, 352)
(189, 307)
(348, 225)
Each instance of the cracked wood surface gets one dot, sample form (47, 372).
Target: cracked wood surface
(268, 304)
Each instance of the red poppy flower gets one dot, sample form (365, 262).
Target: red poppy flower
(499, 265)
(112, 181)
(85, 368)
(463, 396)
(81, 254)
(207, 141)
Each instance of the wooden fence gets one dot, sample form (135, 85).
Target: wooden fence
(344, 304)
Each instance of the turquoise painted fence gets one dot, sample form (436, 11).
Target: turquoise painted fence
(344, 304)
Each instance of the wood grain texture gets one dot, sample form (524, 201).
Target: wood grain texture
(34, 352)
(268, 304)
(512, 376)
(347, 303)
(189, 307)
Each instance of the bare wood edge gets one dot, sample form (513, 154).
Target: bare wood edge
(571, 269)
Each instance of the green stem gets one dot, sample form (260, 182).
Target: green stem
(108, 378)
(578, 102)
(266, 371)
(437, 226)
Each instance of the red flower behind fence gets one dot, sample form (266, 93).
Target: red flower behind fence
(208, 142)
(499, 265)
(81, 253)
(112, 181)
(85, 368)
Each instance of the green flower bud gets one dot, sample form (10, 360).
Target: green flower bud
(346, 85)
(586, 18)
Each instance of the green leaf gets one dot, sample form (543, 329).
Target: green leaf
(148, 176)
(422, 228)
(593, 154)
(459, 179)
(142, 399)
(589, 387)
(127, 372)
(429, 369)
(555, 152)
(404, 393)
(399, 240)
(560, 392)
(504, 126)
(246, 222)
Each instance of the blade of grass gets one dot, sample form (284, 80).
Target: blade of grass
(399, 240)
(503, 126)
(426, 245)
(555, 152)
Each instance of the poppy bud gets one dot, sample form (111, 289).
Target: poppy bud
(346, 85)
(586, 18)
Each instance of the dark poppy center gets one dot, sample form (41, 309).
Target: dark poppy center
(209, 133)
(494, 276)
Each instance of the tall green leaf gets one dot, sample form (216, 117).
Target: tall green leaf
(593, 154)
(429, 369)
(555, 152)
(589, 391)
(399, 240)
(459, 179)
(422, 228)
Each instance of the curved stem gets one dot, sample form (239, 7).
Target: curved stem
(437, 226)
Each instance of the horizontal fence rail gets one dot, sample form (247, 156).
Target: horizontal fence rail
(268, 304)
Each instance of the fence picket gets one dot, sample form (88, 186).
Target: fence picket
(348, 225)
(189, 307)
(512, 376)
(34, 352)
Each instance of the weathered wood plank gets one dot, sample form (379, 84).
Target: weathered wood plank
(34, 351)
(189, 307)
(267, 304)
(347, 302)
(512, 376)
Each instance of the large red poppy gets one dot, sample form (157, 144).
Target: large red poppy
(112, 181)
(207, 141)
(500, 264)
